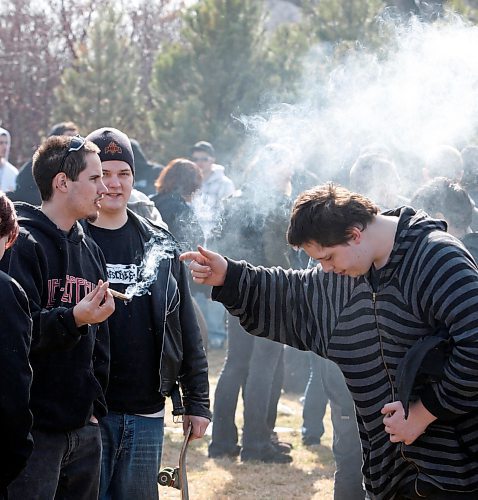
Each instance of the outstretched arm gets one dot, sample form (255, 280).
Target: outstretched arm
(207, 268)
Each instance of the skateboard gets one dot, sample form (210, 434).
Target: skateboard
(176, 477)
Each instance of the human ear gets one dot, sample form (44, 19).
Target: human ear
(355, 235)
(60, 182)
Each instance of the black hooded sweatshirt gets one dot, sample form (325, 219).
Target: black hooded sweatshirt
(15, 381)
(70, 364)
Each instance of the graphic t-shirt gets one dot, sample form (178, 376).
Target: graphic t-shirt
(134, 372)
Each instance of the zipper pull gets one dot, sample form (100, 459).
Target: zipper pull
(373, 297)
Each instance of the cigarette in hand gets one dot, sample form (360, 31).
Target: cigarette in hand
(119, 295)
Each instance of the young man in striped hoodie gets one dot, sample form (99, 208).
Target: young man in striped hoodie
(387, 281)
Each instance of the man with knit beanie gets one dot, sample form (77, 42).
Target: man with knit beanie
(155, 337)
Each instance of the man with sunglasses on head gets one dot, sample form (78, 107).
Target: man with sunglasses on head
(63, 274)
(26, 188)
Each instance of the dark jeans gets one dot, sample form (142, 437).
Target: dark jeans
(63, 465)
(346, 445)
(257, 366)
(132, 447)
(315, 401)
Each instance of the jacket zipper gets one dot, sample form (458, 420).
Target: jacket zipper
(164, 328)
(382, 354)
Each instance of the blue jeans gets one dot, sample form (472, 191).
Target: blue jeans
(132, 447)
(63, 465)
(315, 401)
(346, 445)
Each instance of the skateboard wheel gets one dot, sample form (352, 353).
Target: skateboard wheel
(166, 476)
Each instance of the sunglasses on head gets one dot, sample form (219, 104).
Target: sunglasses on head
(76, 143)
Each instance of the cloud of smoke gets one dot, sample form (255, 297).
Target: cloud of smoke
(418, 91)
(156, 249)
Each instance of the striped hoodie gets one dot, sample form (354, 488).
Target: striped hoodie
(429, 281)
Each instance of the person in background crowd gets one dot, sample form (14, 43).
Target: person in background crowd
(215, 187)
(376, 177)
(8, 173)
(254, 223)
(470, 171)
(388, 282)
(155, 338)
(470, 179)
(26, 189)
(15, 371)
(62, 272)
(175, 188)
(208, 205)
(327, 384)
(445, 199)
(443, 161)
(146, 171)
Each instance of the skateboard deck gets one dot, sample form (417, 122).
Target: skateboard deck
(177, 477)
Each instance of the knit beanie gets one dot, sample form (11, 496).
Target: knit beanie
(113, 144)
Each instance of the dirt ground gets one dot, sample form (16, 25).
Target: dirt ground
(310, 476)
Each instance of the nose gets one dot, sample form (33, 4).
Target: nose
(327, 267)
(102, 189)
(113, 181)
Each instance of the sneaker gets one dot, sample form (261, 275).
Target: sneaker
(270, 456)
(282, 446)
(232, 453)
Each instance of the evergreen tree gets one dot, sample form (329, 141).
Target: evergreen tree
(466, 8)
(343, 20)
(101, 87)
(225, 66)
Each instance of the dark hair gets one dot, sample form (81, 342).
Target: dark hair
(326, 214)
(62, 127)
(180, 176)
(204, 146)
(444, 196)
(48, 157)
(8, 220)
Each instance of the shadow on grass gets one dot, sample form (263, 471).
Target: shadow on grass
(229, 478)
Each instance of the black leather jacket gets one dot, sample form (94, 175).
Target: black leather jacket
(183, 358)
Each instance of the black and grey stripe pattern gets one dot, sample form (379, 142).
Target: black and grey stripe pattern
(429, 281)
